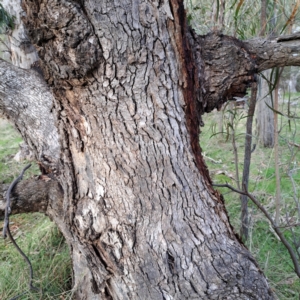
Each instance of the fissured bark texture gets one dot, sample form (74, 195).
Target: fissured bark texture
(139, 214)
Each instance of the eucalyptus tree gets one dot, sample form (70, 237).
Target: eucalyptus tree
(112, 109)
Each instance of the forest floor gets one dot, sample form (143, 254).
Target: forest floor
(48, 252)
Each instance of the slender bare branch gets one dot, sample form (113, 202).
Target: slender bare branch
(274, 226)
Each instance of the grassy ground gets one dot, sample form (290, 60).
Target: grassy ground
(273, 258)
(37, 236)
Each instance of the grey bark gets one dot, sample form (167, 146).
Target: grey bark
(277, 52)
(138, 211)
(230, 64)
(247, 161)
(265, 116)
(17, 46)
(26, 100)
(244, 229)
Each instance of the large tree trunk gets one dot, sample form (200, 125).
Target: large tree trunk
(128, 83)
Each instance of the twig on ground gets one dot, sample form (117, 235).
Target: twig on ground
(211, 159)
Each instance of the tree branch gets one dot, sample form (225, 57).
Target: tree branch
(274, 226)
(31, 195)
(278, 52)
(27, 101)
(229, 65)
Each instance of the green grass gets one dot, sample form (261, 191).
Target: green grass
(9, 146)
(270, 253)
(36, 235)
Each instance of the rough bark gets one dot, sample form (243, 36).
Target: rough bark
(129, 84)
(277, 52)
(230, 64)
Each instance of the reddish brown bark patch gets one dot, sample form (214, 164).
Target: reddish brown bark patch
(192, 68)
(191, 88)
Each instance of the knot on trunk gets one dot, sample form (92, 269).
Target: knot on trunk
(64, 38)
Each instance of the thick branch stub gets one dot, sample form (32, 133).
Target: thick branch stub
(31, 195)
(230, 64)
(64, 38)
(229, 69)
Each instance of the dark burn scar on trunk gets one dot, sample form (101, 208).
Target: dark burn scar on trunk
(191, 87)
